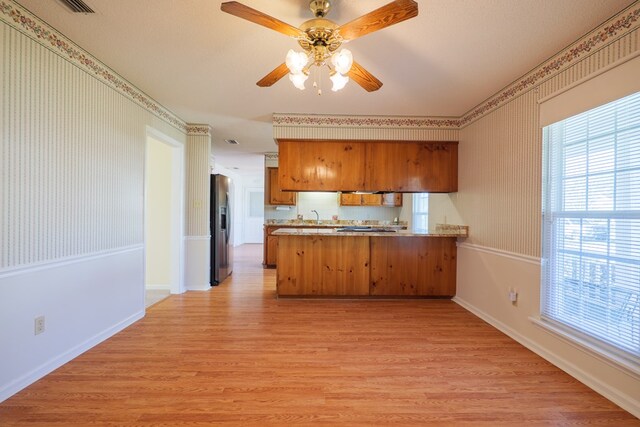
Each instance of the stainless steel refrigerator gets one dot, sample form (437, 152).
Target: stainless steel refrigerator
(220, 223)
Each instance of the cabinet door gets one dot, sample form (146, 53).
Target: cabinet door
(321, 165)
(412, 166)
(276, 195)
(371, 199)
(392, 199)
(272, 251)
(350, 199)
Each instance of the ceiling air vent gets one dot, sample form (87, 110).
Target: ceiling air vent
(231, 141)
(77, 6)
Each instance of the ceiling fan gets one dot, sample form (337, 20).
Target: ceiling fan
(320, 39)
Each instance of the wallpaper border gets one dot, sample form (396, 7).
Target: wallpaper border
(24, 21)
(623, 23)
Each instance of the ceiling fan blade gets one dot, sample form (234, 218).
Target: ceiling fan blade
(364, 78)
(279, 72)
(257, 17)
(392, 13)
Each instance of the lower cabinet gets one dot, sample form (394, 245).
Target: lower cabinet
(270, 247)
(322, 265)
(408, 266)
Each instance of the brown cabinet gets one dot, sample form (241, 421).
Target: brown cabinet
(392, 199)
(377, 266)
(390, 166)
(321, 166)
(350, 199)
(270, 248)
(371, 199)
(274, 194)
(323, 265)
(430, 167)
(358, 199)
(410, 266)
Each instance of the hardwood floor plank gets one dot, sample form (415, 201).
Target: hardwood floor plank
(237, 355)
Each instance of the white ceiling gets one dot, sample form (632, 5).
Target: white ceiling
(202, 64)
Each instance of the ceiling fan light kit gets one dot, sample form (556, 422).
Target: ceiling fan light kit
(321, 38)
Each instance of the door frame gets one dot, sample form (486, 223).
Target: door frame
(177, 285)
(247, 209)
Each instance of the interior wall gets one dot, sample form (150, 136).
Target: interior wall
(158, 214)
(72, 144)
(500, 176)
(198, 232)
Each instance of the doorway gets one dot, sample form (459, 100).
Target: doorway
(163, 217)
(254, 215)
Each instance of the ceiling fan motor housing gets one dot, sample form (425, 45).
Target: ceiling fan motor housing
(322, 38)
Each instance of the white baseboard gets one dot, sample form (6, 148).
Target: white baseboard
(624, 401)
(53, 364)
(158, 287)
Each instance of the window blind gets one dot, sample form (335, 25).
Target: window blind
(591, 225)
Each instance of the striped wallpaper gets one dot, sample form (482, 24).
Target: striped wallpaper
(71, 157)
(500, 160)
(198, 150)
(365, 133)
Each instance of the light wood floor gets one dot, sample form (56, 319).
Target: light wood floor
(237, 355)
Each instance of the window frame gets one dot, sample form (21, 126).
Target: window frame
(604, 349)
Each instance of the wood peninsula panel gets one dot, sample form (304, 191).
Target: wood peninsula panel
(321, 165)
(322, 265)
(409, 166)
(413, 266)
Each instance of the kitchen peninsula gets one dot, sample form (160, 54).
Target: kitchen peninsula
(370, 263)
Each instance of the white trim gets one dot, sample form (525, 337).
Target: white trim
(44, 265)
(512, 255)
(598, 352)
(178, 215)
(161, 287)
(53, 364)
(590, 76)
(625, 401)
(197, 237)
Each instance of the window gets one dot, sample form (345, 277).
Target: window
(421, 212)
(591, 227)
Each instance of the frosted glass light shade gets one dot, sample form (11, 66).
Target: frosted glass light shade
(342, 61)
(298, 79)
(339, 81)
(296, 61)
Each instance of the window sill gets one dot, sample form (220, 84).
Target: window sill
(590, 347)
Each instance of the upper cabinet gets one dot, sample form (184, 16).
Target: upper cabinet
(357, 199)
(274, 194)
(392, 199)
(321, 165)
(390, 166)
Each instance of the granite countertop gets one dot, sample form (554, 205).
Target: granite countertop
(334, 232)
(332, 223)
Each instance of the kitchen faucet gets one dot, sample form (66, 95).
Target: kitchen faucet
(317, 216)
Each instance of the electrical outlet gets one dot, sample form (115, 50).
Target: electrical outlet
(38, 325)
(513, 296)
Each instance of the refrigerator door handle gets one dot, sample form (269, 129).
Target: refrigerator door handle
(228, 218)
